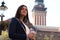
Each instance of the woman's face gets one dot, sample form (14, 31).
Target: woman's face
(24, 11)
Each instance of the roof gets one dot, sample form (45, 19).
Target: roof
(47, 28)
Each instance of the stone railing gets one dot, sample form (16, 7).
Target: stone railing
(47, 35)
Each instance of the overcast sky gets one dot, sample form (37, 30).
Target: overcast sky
(53, 10)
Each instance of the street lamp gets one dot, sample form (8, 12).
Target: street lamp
(2, 8)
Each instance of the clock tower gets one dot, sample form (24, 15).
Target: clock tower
(39, 13)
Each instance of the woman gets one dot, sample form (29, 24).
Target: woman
(18, 29)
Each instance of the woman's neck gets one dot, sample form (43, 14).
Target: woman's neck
(21, 19)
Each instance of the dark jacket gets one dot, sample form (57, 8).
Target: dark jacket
(16, 31)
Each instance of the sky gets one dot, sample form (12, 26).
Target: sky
(53, 10)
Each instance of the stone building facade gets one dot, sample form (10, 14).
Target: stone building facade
(47, 33)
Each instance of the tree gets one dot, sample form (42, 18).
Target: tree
(4, 25)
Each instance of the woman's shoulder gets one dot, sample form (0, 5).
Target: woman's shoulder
(13, 19)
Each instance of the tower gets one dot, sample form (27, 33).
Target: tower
(39, 13)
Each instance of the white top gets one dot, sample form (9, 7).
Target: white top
(31, 30)
(27, 29)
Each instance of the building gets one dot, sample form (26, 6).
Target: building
(47, 33)
(39, 13)
(39, 18)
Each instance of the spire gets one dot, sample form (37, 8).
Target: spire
(39, 1)
(39, 5)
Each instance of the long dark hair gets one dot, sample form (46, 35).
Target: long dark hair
(19, 11)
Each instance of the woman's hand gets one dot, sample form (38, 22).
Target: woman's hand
(31, 36)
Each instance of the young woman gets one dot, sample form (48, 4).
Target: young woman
(18, 27)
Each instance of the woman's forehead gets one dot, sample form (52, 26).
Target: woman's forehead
(24, 7)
